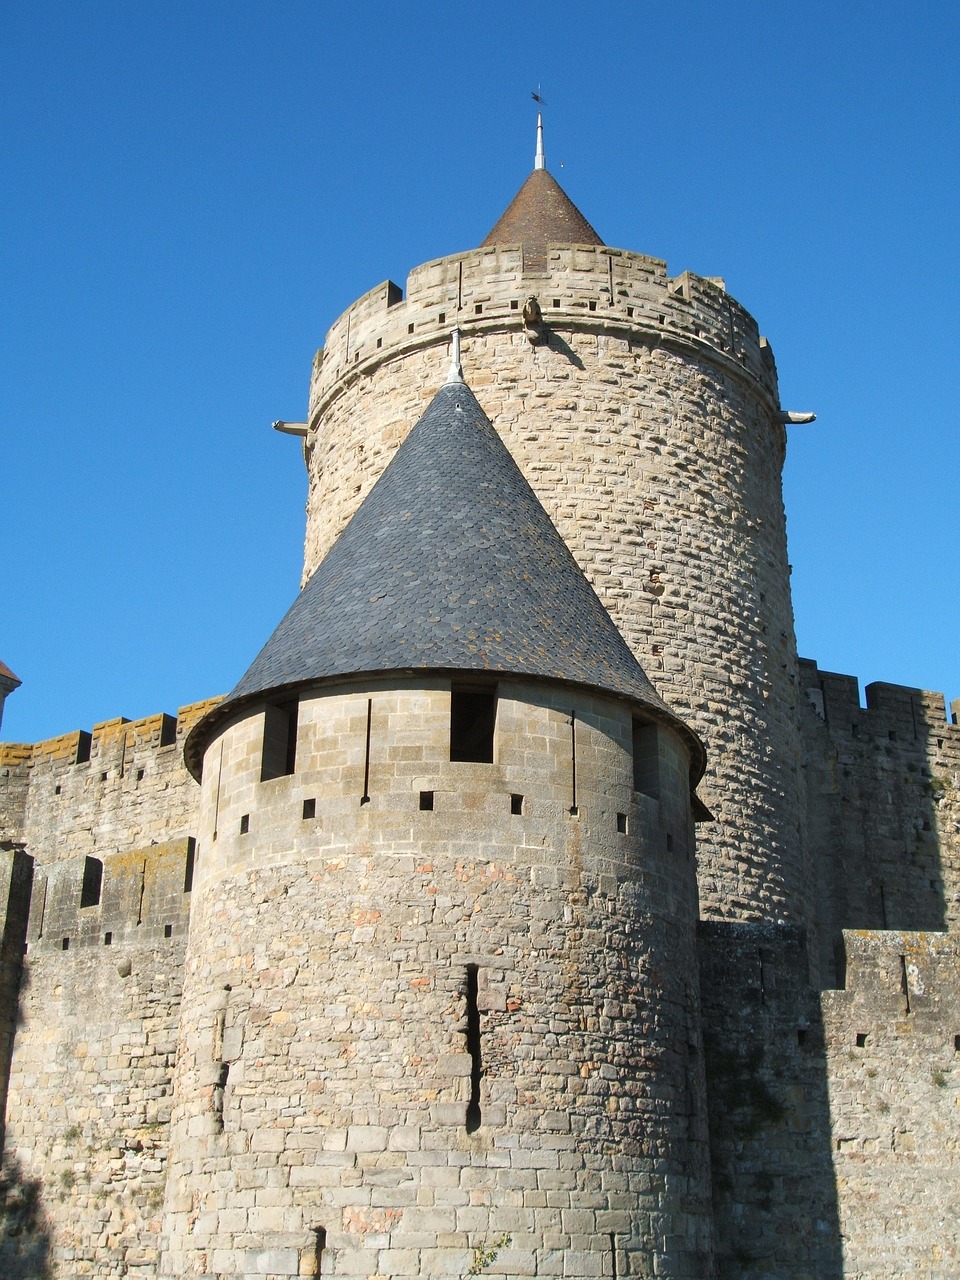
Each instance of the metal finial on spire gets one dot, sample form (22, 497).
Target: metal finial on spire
(539, 162)
(455, 372)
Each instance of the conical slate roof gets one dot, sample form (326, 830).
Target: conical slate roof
(450, 564)
(541, 214)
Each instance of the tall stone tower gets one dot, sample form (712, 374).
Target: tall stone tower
(644, 412)
(440, 982)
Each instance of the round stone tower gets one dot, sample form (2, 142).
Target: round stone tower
(644, 412)
(440, 1008)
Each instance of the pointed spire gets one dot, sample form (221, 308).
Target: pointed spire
(455, 372)
(538, 161)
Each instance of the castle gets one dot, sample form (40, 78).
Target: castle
(402, 959)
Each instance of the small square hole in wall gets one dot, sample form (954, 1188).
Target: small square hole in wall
(103, 777)
(478, 309)
(622, 823)
(139, 775)
(516, 804)
(310, 808)
(409, 328)
(65, 944)
(441, 319)
(514, 305)
(426, 800)
(556, 302)
(56, 791)
(669, 843)
(892, 735)
(861, 1039)
(245, 824)
(630, 312)
(356, 356)
(379, 343)
(592, 305)
(168, 930)
(108, 939)
(801, 1037)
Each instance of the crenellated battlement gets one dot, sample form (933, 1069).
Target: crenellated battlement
(888, 707)
(592, 288)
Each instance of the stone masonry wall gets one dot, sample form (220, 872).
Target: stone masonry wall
(893, 1054)
(884, 825)
(326, 1068)
(648, 426)
(92, 1067)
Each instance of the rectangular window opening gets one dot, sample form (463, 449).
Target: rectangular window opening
(514, 305)
(478, 309)
(861, 1039)
(442, 318)
(646, 759)
(279, 757)
(244, 824)
(956, 1044)
(139, 775)
(630, 312)
(622, 823)
(108, 939)
(426, 801)
(57, 790)
(65, 944)
(669, 843)
(103, 777)
(892, 735)
(556, 302)
(319, 1244)
(592, 305)
(409, 328)
(168, 930)
(92, 882)
(516, 805)
(801, 1037)
(473, 717)
(310, 808)
(188, 865)
(379, 343)
(474, 1116)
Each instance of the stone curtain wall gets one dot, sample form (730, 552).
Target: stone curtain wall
(884, 823)
(647, 424)
(893, 1055)
(325, 1063)
(92, 1069)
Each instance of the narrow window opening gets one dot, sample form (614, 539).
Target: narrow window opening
(646, 759)
(630, 312)
(801, 1037)
(379, 343)
(279, 741)
(622, 823)
(108, 939)
(319, 1244)
(365, 798)
(65, 944)
(574, 808)
(103, 777)
(219, 1092)
(956, 1044)
(669, 843)
(442, 318)
(92, 882)
(904, 983)
(861, 1039)
(84, 740)
(244, 824)
(409, 328)
(614, 1273)
(478, 309)
(310, 808)
(139, 775)
(188, 865)
(473, 1048)
(473, 717)
(892, 735)
(883, 908)
(855, 730)
(56, 791)
(514, 305)
(516, 805)
(356, 356)
(168, 930)
(426, 801)
(592, 305)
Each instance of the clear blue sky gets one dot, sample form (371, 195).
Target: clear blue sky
(193, 191)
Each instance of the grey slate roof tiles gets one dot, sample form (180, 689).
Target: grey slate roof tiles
(450, 564)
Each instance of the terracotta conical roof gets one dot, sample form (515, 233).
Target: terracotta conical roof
(541, 214)
(450, 564)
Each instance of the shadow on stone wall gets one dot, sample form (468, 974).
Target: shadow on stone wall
(24, 1232)
(774, 1191)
